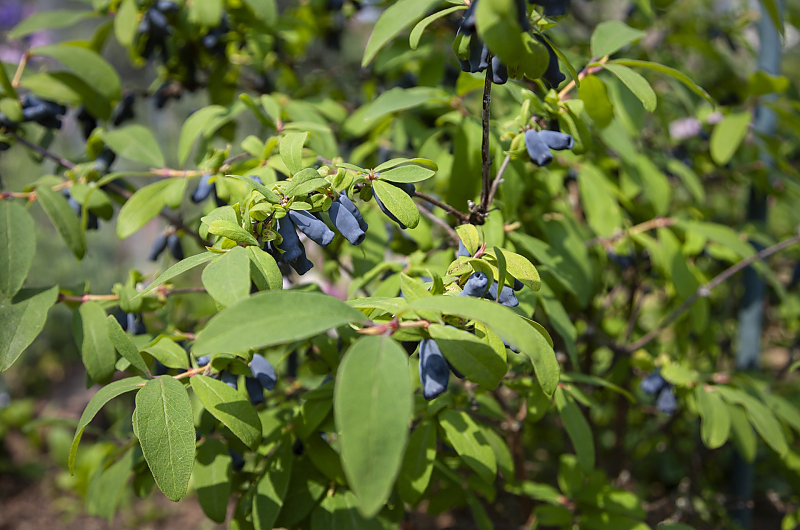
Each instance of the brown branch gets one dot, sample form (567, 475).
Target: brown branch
(44, 152)
(498, 179)
(440, 223)
(486, 160)
(83, 298)
(462, 217)
(658, 222)
(704, 291)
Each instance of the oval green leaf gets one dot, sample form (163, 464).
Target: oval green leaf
(17, 246)
(230, 407)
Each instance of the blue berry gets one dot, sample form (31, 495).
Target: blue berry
(312, 227)
(175, 248)
(291, 243)
(434, 372)
(263, 371)
(203, 190)
(666, 401)
(158, 247)
(475, 285)
(537, 149)
(345, 201)
(230, 379)
(254, 390)
(346, 223)
(653, 383)
(507, 296)
(557, 140)
(204, 360)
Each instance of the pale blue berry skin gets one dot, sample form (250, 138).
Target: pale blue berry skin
(667, 402)
(557, 140)
(476, 285)
(434, 372)
(203, 360)
(291, 243)
(263, 371)
(312, 227)
(507, 296)
(538, 150)
(462, 250)
(345, 201)
(653, 383)
(203, 190)
(346, 223)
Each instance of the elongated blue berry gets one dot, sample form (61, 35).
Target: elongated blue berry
(553, 74)
(291, 243)
(254, 390)
(346, 223)
(467, 25)
(653, 383)
(136, 324)
(476, 285)
(203, 360)
(312, 226)
(557, 140)
(553, 8)
(518, 285)
(158, 247)
(538, 150)
(263, 371)
(462, 250)
(203, 190)
(175, 248)
(499, 72)
(507, 296)
(434, 372)
(666, 401)
(230, 379)
(237, 460)
(345, 201)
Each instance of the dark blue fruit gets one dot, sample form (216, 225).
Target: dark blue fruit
(203, 190)
(291, 243)
(518, 285)
(345, 201)
(557, 140)
(434, 372)
(263, 371)
(203, 360)
(653, 383)
(507, 296)
(254, 390)
(230, 379)
(167, 6)
(467, 26)
(104, 160)
(475, 285)
(302, 264)
(136, 324)
(346, 223)
(158, 247)
(538, 150)
(553, 8)
(237, 460)
(87, 121)
(553, 74)
(666, 401)
(124, 110)
(462, 250)
(312, 226)
(175, 248)
(499, 72)
(522, 15)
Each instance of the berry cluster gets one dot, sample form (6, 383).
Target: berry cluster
(539, 144)
(654, 384)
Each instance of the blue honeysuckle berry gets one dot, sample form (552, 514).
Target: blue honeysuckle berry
(557, 140)
(434, 372)
(229, 379)
(499, 72)
(203, 360)
(312, 226)
(553, 8)
(124, 110)
(346, 223)
(237, 460)
(159, 368)
(204, 189)
(175, 248)
(667, 402)
(553, 75)
(345, 201)
(518, 285)
(135, 324)
(462, 250)
(522, 15)
(467, 25)
(475, 285)
(254, 390)
(291, 243)
(538, 150)
(507, 296)
(159, 245)
(302, 264)
(263, 371)
(653, 383)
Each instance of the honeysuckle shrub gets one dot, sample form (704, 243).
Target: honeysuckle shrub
(414, 257)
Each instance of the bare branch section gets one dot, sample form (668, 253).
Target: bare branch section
(704, 291)
(486, 160)
(652, 224)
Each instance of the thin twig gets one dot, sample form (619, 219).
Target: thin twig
(462, 217)
(498, 179)
(44, 152)
(486, 160)
(657, 222)
(20, 68)
(705, 290)
(440, 223)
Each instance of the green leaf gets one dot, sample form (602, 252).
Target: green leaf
(22, 321)
(168, 353)
(268, 194)
(372, 407)
(397, 99)
(264, 270)
(48, 19)
(232, 231)
(124, 345)
(101, 397)
(523, 270)
(467, 438)
(395, 19)
(97, 351)
(17, 246)
(599, 201)
(407, 174)
(212, 478)
(195, 126)
(398, 202)
(67, 224)
(742, 433)
(164, 424)
(417, 466)
(469, 355)
(137, 143)
(274, 317)
(306, 486)
(126, 22)
(728, 135)
(271, 488)
(416, 33)
(176, 270)
(142, 207)
(716, 422)
(207, 13)
(760, 416)
(505, 323)
(595, 99)
(106, 486)
(636, 83)
(227, 278)
(612, 35)
(87, 65)
(675, 74)
(577, 429)
(230, 407)
(264, 10)
(689, 179)
(291, 149)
